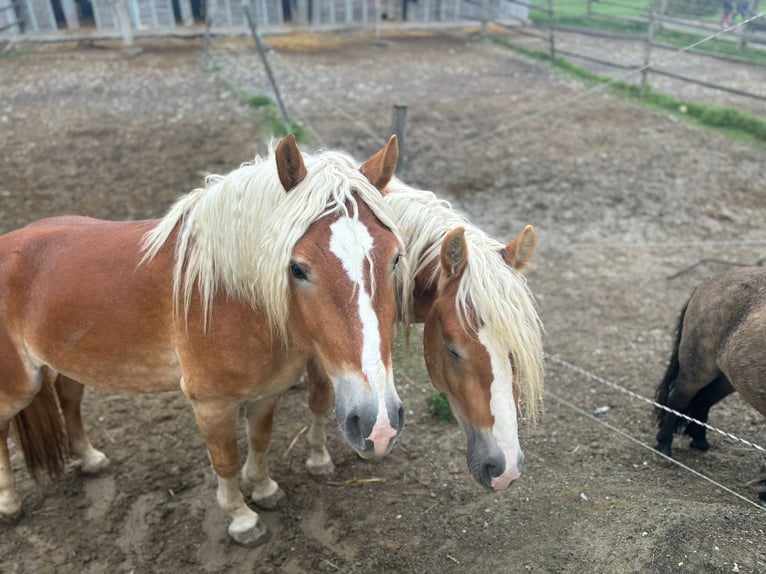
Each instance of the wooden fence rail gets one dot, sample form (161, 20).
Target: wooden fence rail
(655, 20)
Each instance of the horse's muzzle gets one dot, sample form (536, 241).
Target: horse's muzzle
(488, 464)
(371, 429)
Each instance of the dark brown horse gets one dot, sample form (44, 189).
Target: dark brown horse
(225, 298)
(720, 348)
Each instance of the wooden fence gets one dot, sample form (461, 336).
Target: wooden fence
(753, 34)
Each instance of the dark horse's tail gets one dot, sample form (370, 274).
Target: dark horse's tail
(671, 374)
(40, 433)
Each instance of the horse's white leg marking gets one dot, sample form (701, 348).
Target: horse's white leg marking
(351, 242)
(10, 501)
(503, 408)
(93, 460)
(244, 526)
(319, 462)
(255, 474)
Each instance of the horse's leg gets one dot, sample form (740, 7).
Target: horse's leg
(255, 474)
(319, 462)
(681, 394)
(10, 502)
(217, 421)
(700, 408)
(70, 394)
(18, 383)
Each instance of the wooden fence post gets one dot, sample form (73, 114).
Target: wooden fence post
(647, 54)
(661, 15)
(398, 120)
(551, 26)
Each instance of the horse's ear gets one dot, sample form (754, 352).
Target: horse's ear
(518, 252)
(290, 166)
(379, 169)
(454, 253)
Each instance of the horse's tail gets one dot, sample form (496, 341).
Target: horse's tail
(40, 433)
(671, 373)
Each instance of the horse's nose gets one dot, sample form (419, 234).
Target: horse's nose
(357, 428)
(491, 468)
(374, 433)
(396, 416)
(504, 479)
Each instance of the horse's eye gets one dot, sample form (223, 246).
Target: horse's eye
(453, 352)
(396, 260)
(298, 272)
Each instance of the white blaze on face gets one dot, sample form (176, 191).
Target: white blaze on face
(503, 408)
(352, 243)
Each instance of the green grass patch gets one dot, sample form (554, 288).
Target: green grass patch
(270, 118)
(267, 114)
(731, 121)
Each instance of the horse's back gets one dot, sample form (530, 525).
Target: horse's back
(727, 318)
(50, 254)
(75, 295)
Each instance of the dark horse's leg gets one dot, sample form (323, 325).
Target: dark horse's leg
(682, 382)
(700, 407)
(678, 399)
(668, 390)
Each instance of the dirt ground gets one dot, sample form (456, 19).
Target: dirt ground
(622, 197)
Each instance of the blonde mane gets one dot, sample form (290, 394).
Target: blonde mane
(237, 234)
(498, 294)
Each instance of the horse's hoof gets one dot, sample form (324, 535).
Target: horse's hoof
(664, 448)
(700, 444)
(11, 518)
(270, 502)
(251, 537)
(320, 465)
(94, 463)
(762, 495)
(10, 509)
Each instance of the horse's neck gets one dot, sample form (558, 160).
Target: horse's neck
(424, 292)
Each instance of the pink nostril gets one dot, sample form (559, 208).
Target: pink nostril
(380, 437)
(504, 481)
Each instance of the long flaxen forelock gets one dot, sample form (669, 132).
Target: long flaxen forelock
(491, 294)
(238, 233)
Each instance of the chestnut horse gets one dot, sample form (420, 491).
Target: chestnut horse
(482, 338)
(227, 296)
(719, 349)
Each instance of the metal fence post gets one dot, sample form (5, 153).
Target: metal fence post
(261, 52)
